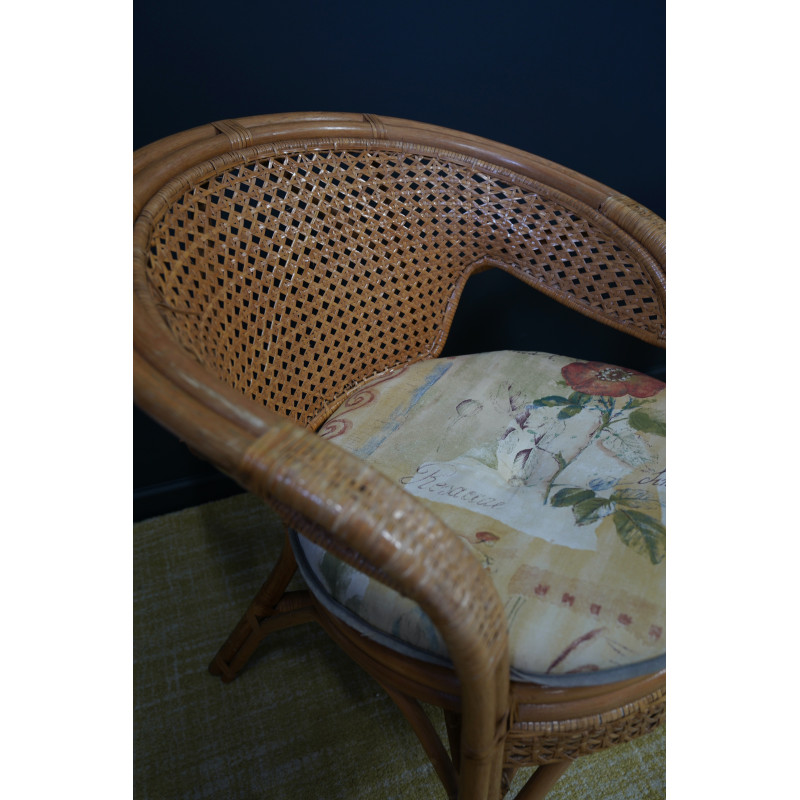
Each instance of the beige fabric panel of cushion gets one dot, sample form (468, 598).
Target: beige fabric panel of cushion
(553, 471)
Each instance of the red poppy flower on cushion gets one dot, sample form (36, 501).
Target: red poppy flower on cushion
(594, 377)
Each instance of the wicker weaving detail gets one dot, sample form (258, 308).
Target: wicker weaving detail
(533, 743)
(296, 272)
(378, 128)
(651, 229)
(237, 134)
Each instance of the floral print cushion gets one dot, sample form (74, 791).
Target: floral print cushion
(553, 471)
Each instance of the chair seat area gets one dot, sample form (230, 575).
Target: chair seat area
(551, 471)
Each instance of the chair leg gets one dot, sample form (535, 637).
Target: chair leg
(506, 778)
(429, 739)
(452, 721)
(243, 640)
(543, 780)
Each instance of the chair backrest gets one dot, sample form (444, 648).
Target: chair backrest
(296, 269)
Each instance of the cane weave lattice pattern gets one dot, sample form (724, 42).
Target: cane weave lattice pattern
(281, 269)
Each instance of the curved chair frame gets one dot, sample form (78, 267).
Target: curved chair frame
(494, 725)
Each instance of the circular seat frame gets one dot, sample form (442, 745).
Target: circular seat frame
(199, 389)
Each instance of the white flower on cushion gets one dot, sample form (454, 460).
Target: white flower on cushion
(525, 441)
(528, 451)
(516, 455)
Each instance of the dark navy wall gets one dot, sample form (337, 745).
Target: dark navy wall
(581, 84)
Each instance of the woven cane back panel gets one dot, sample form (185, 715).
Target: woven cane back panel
(295, 275)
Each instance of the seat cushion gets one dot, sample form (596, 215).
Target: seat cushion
(553, 471)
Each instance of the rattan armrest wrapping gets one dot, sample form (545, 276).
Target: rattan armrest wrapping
(344, 505)
(347, 507)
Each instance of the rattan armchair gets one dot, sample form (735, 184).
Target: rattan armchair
(283, 262)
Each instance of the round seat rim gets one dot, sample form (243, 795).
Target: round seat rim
(598, 678)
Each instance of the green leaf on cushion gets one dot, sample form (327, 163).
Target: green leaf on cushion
(589, 510)
(579, 398)
(641, 532)
(551, 401)
(634, 498)
(569, 411)
(570, 496)
(642, 421)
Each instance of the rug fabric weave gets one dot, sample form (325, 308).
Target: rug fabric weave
(301, 721)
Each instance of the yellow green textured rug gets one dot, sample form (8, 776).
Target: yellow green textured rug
(301, 721)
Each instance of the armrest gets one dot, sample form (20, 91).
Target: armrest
(346, 506)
